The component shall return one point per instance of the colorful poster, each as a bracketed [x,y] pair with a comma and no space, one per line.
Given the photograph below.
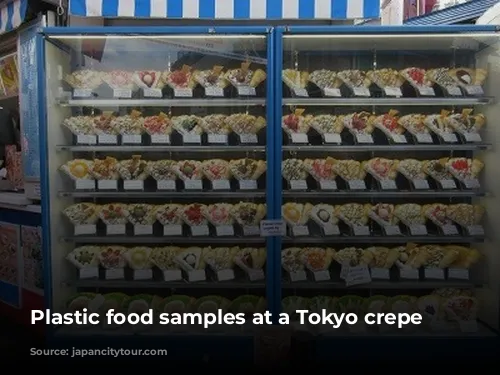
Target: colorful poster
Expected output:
[9,255]
[8,73]
[31,240]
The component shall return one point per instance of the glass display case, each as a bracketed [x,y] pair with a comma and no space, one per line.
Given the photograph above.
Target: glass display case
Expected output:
[389,175]
[155,171]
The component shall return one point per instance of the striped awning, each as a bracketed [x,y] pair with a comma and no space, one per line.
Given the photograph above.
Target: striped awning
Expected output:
[12,15]
[228,9]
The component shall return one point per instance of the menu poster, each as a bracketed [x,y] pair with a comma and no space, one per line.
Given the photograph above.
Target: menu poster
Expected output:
[8,73]
[31,242]
[9,246]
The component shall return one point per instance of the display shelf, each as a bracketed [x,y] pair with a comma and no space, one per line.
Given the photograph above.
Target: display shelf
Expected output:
[161,240]
[392,102]
[125,284]
[383,239]
[381,285]
[164,194]
[142,149]
[387,148]
[348,194]
[100,103]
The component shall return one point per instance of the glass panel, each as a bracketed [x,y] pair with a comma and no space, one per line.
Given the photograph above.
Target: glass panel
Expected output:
[387,169]
[157,163]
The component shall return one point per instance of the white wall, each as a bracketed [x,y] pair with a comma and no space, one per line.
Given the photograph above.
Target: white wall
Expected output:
[392,12]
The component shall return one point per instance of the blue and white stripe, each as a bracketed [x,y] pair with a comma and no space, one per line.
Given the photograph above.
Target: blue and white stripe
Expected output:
[227,9]
[12,15]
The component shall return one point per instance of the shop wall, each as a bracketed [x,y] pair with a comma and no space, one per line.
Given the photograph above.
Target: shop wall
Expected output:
[21,271]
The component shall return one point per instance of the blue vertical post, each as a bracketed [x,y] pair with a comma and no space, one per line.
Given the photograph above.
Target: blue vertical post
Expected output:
[270,175]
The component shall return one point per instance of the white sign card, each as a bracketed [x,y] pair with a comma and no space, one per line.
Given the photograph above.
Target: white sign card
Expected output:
[86,139]
[172,230]
[116,229]
[270,228]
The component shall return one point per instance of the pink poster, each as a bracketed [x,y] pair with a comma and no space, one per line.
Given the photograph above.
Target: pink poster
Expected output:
[9,256]
[31,240]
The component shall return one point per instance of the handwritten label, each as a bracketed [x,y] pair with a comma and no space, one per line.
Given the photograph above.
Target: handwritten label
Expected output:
[424,138]
[107,139]
[191,138]
[449,230]
[298,276]
[380,273]
[330,230]
[152,93]
[447,184]
[251,230]
[409,273]
[419,184]
[361,230]
[301,92]
[298,185]
[224,230]
[269,228]
[214,91]
[115,229]
[143,230]
[468,326]
[165,185]
[449,138]
[255,275]
[193,185]
[328,185]
[472,137]
[221,185]
[426,91]
[200,230]
[300,230]
[217,138]
[86,139]
[196,275]
[82,93]
[361,91]
[85,229]
[299,138]
[472,184]
[131,139]
[249,138]
[392,230]
[474,90]
[356,184]
[107,184]
[183,93]
[332,138]
[122,93]
[160,139]
[114,274]
[247,184]
[453,91]
[434,273]
[388,185]
[358,275]
[84,184]
[246,91]
[143,274]
[344,270]
[225,275]
[88,273]
[393,91]
[398,138]
[172,230]
[172,275]
[133,184]
[458,273]
[475,230]
[364,138]
[418,230]
[332,92]
[321,275]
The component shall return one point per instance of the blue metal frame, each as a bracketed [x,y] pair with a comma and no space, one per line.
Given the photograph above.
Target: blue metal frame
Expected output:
[344,30]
